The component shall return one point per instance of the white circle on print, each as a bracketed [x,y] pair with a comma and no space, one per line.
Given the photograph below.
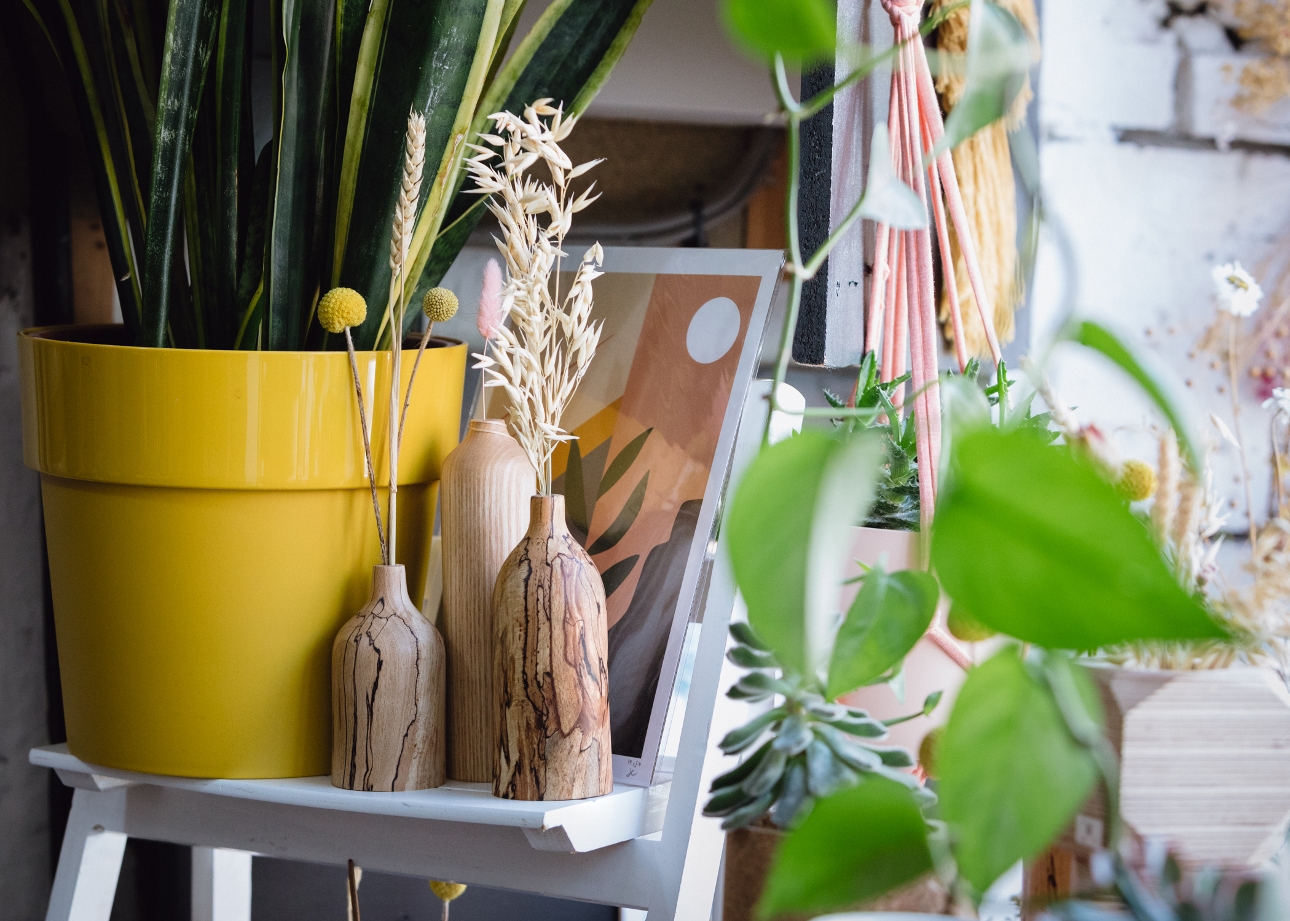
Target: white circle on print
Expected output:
[713,330]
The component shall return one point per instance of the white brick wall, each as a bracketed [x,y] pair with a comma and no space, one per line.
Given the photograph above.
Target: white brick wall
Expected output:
[1129,112]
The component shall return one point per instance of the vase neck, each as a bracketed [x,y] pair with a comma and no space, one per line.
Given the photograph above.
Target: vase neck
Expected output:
[391,583]
[546,516]
[487,427]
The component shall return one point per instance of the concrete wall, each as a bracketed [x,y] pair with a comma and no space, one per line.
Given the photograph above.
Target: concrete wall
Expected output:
[1152,178]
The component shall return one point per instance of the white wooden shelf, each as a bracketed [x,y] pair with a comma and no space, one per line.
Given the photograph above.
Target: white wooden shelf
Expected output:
[571,826]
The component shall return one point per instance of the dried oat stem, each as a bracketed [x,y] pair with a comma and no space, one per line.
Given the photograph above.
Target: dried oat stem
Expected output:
[540,359]
[367,441]
[405,218]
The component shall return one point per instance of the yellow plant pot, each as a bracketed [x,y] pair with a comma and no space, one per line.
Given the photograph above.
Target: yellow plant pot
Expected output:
[209,524]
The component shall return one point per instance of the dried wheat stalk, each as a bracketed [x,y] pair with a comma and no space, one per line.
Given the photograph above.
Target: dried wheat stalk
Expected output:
[539,359]
[405,219]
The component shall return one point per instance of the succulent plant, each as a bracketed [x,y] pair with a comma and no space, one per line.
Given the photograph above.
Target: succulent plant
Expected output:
[802,748]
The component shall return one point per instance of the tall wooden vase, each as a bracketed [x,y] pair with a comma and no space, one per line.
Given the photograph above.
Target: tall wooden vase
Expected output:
[485,489]
[551,676]
[387,692]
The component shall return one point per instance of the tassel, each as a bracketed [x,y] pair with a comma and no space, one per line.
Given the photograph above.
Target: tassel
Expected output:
[984,167]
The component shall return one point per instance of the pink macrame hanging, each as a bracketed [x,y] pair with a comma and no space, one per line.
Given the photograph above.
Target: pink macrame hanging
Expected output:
[902,319]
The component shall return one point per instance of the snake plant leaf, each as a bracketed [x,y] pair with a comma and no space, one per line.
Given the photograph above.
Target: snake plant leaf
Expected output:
[616,575]
[1011,775]
[250,277]
[787,536]
[566,56]
[292,270]
[889,615]
[423,61]
[231,170]
[827,863]
[190,33]
[108,164]
[1069,566]
[622,462]
[624,520]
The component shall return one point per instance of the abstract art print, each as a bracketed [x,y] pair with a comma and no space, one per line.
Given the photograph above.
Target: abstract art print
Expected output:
[655,419]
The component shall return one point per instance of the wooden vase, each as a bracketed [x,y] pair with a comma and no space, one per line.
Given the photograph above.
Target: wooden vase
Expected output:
[485,489]
[387,683]
[551,676]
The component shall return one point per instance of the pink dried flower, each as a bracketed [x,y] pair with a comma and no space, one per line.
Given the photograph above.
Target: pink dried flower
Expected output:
[490,301]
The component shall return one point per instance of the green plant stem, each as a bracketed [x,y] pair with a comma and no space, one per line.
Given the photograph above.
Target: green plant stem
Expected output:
[367,440]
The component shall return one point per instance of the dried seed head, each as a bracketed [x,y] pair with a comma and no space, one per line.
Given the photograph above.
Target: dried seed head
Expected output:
[341,308]
[439,305]
[1137,480]
[446,891]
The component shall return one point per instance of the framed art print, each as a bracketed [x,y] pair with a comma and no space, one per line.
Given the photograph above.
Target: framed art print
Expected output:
[655,419]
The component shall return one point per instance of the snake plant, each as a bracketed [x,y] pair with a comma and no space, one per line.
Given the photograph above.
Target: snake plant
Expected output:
[217,245]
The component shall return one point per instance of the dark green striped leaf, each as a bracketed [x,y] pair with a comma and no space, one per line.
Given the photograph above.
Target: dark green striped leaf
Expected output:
[190,32]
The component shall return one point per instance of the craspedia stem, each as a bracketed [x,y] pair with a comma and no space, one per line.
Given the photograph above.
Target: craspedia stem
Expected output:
[367,444]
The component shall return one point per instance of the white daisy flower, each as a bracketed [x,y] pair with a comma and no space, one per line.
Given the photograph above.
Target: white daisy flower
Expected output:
[1280,400]
[1237,291]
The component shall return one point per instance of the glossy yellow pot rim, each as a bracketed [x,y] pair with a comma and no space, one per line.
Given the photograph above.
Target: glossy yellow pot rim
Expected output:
[99,411]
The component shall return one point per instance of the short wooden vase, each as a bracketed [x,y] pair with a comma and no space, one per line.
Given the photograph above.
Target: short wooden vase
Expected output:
[485,489]
[387,680]
[551,672]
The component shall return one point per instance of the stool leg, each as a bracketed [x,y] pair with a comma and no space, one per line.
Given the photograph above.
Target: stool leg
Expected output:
[221,884]
[88,864]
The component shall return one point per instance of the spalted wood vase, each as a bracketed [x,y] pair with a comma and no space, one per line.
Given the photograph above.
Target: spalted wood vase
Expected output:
[551,676]
[387,692]
[485,490]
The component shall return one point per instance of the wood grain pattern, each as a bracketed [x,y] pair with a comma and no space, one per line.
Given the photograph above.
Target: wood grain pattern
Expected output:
[387,673]
[486,486]
[552,677]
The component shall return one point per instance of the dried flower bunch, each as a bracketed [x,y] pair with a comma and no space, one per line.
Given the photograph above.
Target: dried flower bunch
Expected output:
[540,359]
[1265,80]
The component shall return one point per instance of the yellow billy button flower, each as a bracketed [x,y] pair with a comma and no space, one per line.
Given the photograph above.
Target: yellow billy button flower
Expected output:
[439,305]
[1137,480]
[446,891]
[928,749]
[341,308]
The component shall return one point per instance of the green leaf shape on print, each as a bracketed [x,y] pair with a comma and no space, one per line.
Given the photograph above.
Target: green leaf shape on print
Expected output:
[999,57]
[625,519]
[617,574]
[799,30]
[622,462]
[1011,775]
[853,846]
[1035,543]
[575,490]
[1155,380]
[787,537]
[190,33]
[889,615]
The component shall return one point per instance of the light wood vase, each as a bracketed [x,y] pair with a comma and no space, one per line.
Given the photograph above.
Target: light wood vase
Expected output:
[387,679]
[485,490]
[551,676]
